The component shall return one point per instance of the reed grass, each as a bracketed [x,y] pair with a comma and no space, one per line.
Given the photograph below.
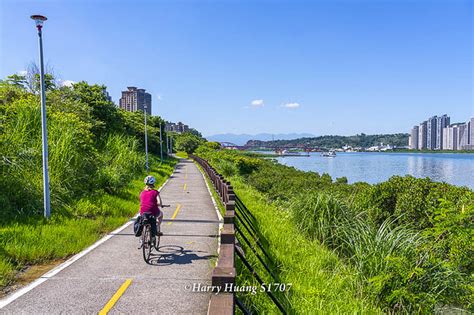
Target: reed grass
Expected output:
[322,282]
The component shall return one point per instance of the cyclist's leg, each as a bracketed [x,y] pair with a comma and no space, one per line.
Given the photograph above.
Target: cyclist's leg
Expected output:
[159,219]
[153,227]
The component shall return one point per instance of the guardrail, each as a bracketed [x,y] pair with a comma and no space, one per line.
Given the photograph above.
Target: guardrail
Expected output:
[239,232]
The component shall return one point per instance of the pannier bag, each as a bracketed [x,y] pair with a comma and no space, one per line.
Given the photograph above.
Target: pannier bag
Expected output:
[138,226]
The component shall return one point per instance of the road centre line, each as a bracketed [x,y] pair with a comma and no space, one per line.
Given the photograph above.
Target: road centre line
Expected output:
[175,213]
[115,297]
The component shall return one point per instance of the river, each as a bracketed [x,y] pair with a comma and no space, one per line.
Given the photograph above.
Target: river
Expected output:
[452,168]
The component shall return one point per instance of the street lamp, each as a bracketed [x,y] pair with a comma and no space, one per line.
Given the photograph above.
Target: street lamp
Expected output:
[39,20]
[146,141]
[161,144]
[171,144]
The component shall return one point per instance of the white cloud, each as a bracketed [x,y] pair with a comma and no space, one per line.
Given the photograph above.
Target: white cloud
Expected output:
[257,103]
[67,83]
[22,72]
[291,105]
[159,97]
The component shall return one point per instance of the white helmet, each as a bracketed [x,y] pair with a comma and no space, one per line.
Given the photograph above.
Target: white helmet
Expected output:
[150,180]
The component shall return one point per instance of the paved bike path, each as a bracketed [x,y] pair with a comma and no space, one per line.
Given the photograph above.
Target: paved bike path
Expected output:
[188,250]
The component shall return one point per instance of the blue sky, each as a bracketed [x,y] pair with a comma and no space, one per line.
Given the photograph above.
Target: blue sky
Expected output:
[323,67]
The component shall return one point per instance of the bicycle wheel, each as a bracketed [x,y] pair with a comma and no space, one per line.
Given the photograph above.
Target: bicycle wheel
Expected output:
[146,243]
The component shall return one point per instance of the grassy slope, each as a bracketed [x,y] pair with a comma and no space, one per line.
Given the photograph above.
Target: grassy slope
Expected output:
[37,241]
[321,282]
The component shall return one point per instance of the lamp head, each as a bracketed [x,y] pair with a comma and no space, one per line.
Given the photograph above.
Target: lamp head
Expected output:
[39,20]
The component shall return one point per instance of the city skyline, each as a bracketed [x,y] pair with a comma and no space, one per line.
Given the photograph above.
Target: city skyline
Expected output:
[438,133]
[322,68]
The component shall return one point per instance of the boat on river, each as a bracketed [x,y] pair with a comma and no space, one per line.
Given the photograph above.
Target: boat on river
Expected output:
[290,153]
[330,154]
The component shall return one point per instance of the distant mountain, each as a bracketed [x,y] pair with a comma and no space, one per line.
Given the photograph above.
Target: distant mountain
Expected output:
[241,139]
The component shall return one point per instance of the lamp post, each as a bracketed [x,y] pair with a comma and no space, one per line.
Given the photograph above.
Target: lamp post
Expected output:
[161,145]
[146,141]
[171,143]
[167,146]
[39,20]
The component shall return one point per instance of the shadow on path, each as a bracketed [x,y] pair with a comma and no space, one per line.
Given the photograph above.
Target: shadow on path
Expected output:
[173,254]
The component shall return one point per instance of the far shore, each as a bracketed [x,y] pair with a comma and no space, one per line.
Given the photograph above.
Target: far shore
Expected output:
[388,151]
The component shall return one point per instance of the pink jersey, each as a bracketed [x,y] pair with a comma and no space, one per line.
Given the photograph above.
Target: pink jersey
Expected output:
[148,202]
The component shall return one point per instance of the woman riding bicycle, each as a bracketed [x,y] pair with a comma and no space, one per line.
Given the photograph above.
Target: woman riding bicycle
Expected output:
[149,201]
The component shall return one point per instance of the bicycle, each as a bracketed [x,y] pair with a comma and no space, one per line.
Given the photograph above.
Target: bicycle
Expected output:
[147,244]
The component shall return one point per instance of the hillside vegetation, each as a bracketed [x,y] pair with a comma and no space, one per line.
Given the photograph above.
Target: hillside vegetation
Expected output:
[362,140]
[408,241]
[96,165]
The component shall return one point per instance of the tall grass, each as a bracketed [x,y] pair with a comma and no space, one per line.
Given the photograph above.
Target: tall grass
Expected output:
[322,283]
[71,158]
[119,161]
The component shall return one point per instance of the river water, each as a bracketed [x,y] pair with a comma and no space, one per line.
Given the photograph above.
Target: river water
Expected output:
[453,168]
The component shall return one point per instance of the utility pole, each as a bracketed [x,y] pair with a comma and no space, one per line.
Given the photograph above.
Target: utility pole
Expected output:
[39,20]
[161,145]
[171,144]
[146,141]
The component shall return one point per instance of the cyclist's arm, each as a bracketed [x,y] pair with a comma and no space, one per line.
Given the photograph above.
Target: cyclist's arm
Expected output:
[159,201]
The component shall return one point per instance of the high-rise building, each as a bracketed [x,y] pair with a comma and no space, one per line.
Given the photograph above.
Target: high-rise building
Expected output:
[470,135]
[422,135]
[414,137]
[431,133]
[441,122]
[135,99]
[463,136]
[450,137]
[176,127]
[107,95]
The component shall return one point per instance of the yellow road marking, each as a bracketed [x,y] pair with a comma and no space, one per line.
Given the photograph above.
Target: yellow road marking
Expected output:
[175,213]
[185,185]
[115,297]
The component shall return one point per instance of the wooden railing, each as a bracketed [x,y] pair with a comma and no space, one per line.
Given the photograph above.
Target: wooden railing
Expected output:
[240,231]
[224,273]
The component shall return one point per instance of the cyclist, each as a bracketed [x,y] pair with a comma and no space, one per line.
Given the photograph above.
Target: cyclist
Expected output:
[150,203]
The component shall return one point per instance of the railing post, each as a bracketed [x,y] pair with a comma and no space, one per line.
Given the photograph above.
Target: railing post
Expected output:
[229,216]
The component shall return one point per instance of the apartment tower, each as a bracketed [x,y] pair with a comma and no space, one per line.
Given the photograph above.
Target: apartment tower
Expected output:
[135,99]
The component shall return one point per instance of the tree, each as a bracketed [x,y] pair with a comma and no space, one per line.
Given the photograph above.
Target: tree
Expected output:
[17,80]
[188,142]
[33,78]
[195,132]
